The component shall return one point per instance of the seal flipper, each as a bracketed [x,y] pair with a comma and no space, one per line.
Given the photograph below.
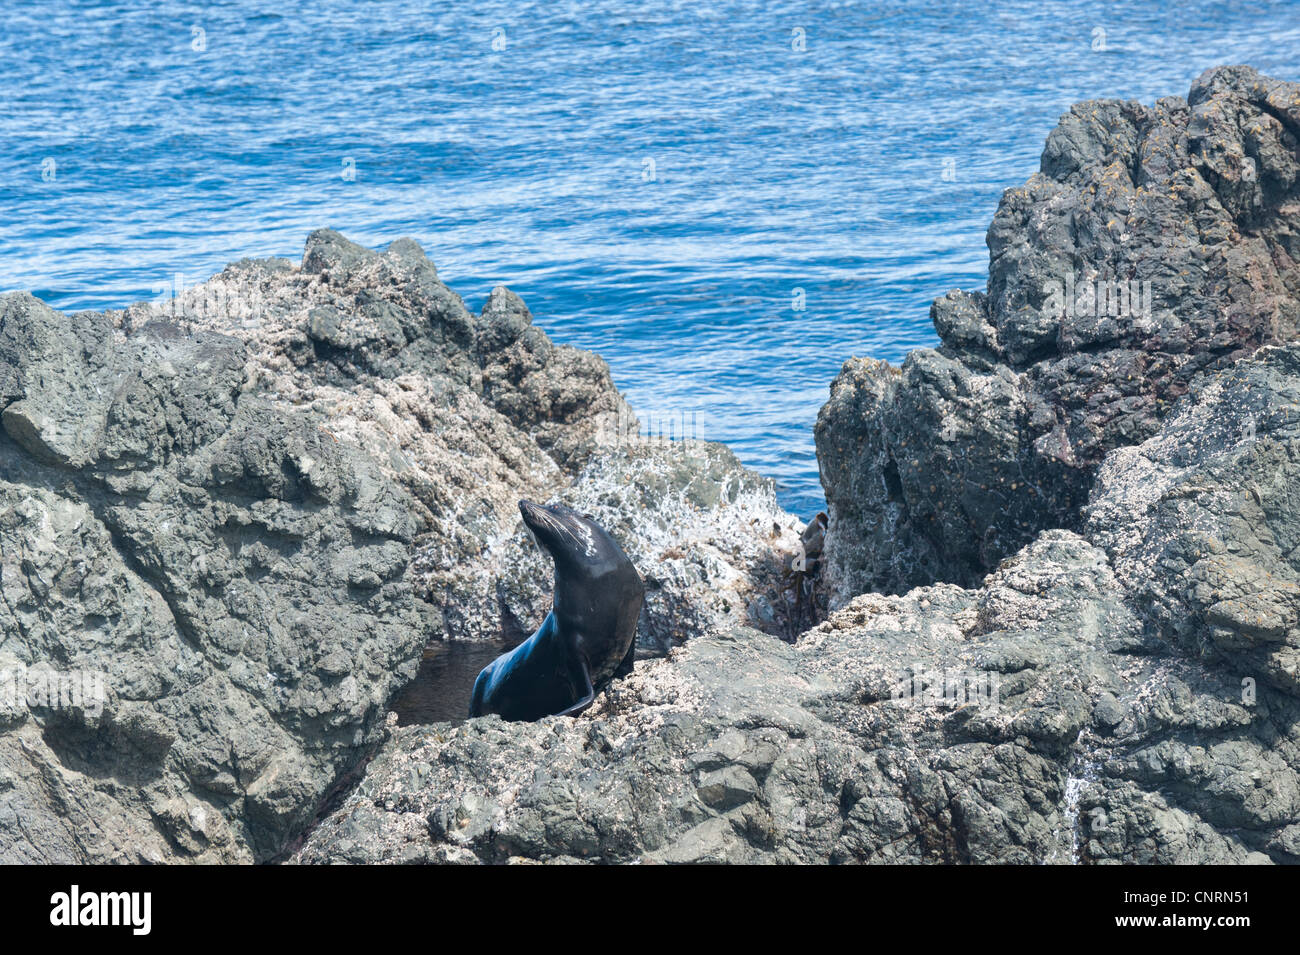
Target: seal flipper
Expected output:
[625,667]
[589,694]
[480,690]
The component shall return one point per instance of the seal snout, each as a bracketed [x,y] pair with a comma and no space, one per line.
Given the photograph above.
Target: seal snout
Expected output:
[547,529]
[535,515]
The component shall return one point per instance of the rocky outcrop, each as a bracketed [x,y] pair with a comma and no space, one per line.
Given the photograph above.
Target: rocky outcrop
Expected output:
[217,588]
[230,522]
[1213,556]
[1155,245]
[460,410]
[473,413]
[1124,696]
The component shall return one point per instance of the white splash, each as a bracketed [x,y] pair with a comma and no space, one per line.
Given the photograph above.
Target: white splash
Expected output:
[1081,774]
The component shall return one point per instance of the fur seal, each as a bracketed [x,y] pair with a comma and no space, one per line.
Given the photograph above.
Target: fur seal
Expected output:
[587,639]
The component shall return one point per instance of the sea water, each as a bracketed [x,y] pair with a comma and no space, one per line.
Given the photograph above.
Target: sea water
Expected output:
[726,200]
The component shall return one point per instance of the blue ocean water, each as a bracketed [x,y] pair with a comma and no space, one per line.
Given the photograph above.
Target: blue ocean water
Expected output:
[725,199]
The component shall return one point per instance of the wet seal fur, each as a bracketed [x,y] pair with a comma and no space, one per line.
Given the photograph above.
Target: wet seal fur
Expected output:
[587,639]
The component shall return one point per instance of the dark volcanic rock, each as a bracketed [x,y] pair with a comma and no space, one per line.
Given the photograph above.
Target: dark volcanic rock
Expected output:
[1154,245]
[472,413]
[1084,713]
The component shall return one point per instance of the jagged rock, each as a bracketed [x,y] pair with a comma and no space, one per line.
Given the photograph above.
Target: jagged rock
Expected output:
[471,414]
[1156,244]
[251,507]
[1083,713]
[198,552]
[1215,558]
[742,749]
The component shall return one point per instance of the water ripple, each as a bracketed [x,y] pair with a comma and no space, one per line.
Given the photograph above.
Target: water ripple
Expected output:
[657,180]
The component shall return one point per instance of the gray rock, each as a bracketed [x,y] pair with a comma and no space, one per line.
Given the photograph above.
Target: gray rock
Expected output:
[741,748]
[250,508]
[1155,245]
[1124,699]
[174,537]
[470,414]
[1214,558]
